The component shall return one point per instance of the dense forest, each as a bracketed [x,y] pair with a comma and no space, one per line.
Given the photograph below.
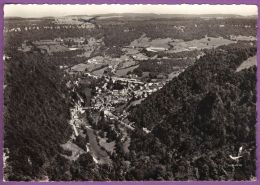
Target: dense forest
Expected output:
[36,112]
[157,66]
[197,120]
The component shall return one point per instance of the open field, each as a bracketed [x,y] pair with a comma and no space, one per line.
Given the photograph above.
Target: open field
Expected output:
[124,71]
[242,37]
[144,41]
[248,63]
[204,43]
[76,151]
[80,67]
[179,45]
[110,147]
[95,149]
[99,72]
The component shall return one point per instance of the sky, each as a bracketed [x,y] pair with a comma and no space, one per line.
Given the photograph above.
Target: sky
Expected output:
[28,11]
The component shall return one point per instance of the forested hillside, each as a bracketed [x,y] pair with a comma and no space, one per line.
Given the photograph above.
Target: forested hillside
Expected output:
[198,120]
[36,115]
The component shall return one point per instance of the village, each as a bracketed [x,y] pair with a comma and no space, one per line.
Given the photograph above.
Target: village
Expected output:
[59,45]
[111,100]
[115,95]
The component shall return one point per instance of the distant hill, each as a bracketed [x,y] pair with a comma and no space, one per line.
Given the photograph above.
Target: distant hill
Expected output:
[13,18]
[162,16]
[145,15]
[23,18]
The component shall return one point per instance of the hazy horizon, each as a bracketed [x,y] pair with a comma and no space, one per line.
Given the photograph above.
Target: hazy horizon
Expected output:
[38,11]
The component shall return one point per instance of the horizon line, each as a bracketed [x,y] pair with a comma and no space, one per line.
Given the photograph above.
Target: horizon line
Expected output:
[197,14]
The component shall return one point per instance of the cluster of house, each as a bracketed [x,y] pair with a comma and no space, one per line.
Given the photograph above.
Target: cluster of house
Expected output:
[82,22]
[47,46]
[180,28]
[7,30]
[133,88]
[38,28]
[61,44]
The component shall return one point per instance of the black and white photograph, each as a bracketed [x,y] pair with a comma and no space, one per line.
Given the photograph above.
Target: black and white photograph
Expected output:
[129,92]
